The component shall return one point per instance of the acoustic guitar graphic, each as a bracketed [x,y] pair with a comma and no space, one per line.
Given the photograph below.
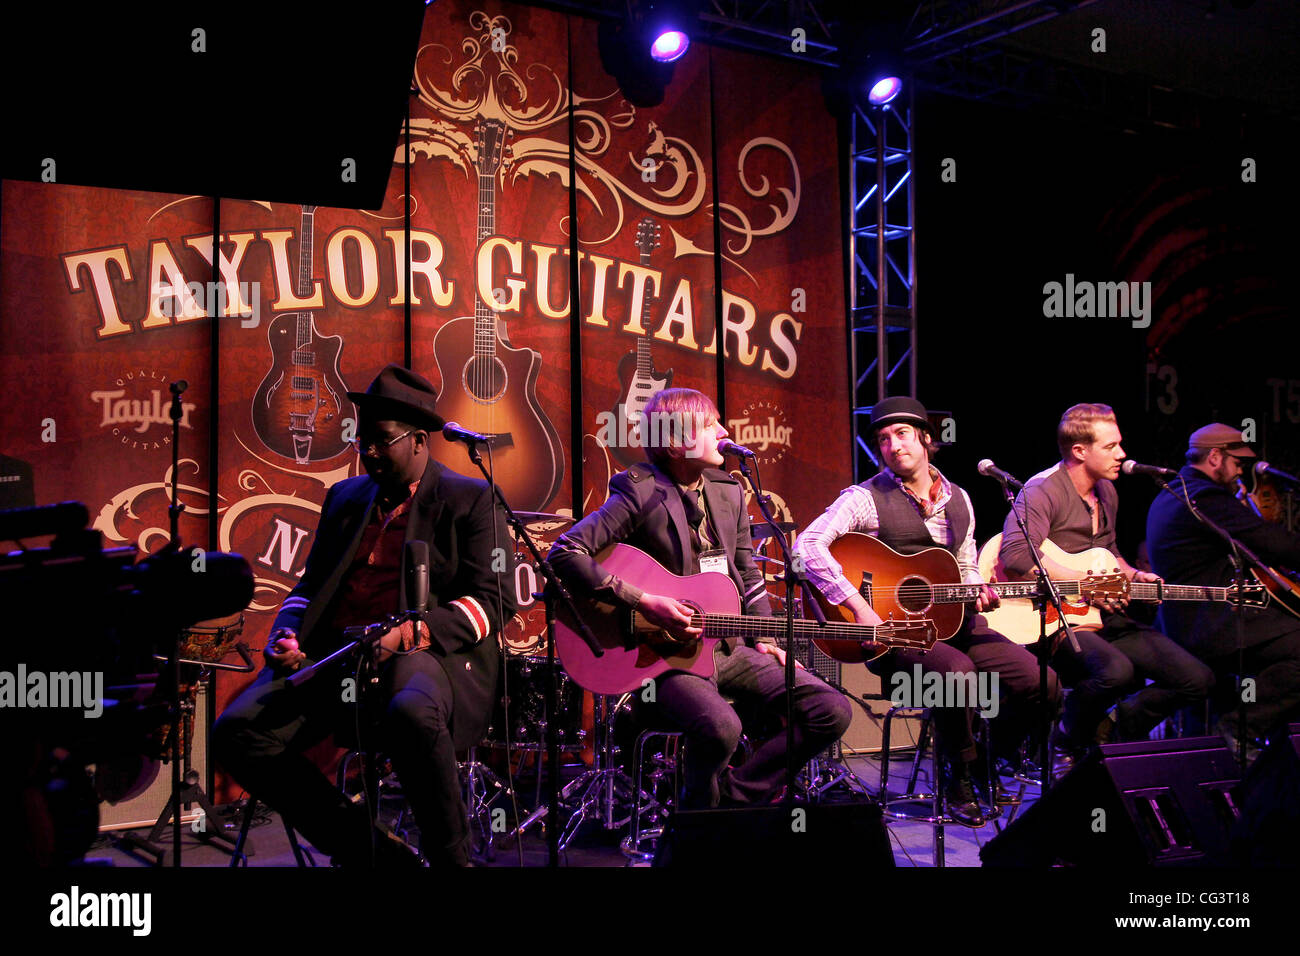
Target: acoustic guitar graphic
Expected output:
[637,376]
[300,407]
[490,387]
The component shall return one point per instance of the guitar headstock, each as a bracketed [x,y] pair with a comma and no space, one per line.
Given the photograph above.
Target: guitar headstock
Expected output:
[1108,587]
[1253,594]
[491,146]
[910,632]
[647,236]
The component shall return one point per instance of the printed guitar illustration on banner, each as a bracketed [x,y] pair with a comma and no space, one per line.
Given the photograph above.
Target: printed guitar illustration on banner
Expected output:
[490,387]
[301,405]
[637,376]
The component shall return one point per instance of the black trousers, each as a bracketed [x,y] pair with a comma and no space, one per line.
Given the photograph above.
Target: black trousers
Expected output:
[694,705]
[1275,665]
[975,650]
[1112,669]
[261,736]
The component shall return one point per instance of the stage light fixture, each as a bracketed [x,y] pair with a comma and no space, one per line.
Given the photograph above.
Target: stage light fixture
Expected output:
[669,45]
[884,90]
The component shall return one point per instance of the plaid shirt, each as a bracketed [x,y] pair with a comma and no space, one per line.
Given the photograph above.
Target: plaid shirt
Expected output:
[855,510]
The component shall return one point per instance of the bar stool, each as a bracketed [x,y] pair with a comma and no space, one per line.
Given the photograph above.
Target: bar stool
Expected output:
[648,802]
[937,817]
[239,856]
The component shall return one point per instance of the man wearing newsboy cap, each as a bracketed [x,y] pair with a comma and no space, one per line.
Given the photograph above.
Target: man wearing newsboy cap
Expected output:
[1186,551]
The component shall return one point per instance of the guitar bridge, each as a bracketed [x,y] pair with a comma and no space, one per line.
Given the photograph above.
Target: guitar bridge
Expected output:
[865,589]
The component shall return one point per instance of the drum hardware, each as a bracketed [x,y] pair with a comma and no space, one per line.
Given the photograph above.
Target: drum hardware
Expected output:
[482,789]
[174,739]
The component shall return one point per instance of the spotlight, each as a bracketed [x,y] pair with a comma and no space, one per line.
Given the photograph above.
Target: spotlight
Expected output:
[884,90]
[669,45]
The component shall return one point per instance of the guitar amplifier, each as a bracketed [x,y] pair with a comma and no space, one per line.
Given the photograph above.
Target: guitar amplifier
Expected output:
[142,809]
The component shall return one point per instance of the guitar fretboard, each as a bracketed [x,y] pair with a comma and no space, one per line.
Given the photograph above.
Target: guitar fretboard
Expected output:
[909,633]
[485,339]
[303,356]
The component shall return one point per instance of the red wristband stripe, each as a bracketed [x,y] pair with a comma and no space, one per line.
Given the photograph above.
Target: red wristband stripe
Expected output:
[478,619]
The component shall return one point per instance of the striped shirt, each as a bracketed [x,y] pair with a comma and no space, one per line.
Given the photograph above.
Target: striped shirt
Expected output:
[855,510]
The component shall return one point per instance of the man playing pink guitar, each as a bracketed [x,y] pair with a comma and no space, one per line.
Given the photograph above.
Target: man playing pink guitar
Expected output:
[690,516]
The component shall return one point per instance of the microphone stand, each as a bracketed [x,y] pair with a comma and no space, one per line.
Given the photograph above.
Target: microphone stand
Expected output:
[1236,552]
[553,593]
[175,412]
[1047,592]
[793,578]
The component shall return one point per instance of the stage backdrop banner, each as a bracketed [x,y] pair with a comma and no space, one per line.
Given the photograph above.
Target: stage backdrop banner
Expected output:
[733,177]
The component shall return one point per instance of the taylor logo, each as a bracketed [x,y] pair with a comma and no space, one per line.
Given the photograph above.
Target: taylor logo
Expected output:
[137,403]
[761,427]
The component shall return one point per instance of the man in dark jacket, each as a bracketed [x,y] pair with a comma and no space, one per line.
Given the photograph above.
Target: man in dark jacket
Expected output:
[437,676]
[1184,550]
[690,516]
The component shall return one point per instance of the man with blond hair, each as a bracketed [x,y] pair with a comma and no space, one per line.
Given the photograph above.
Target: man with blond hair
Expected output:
[690,516]
[1074,504]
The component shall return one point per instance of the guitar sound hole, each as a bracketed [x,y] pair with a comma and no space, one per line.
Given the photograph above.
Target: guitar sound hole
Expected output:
[484,378]
[913,594]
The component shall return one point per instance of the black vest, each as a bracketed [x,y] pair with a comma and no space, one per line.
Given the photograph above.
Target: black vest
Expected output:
[901,525]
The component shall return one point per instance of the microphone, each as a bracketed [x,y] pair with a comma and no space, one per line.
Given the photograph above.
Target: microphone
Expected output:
[729,447]
[1130,467]
[990,470]
[1264,468]
[178,386]
[452,431]
[417,575]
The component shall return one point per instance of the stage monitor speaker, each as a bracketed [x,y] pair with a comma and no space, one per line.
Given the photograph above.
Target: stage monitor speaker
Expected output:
[1152,803]
[1267,834]
[805,836]
[142,810]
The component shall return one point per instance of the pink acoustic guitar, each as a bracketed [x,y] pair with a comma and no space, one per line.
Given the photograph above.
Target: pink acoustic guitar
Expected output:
[637,651]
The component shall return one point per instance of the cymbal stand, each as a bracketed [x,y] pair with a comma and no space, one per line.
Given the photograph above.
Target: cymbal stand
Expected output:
[605,788]
[482,789]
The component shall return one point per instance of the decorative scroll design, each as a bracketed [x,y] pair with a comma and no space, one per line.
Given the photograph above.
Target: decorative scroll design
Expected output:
[488,82]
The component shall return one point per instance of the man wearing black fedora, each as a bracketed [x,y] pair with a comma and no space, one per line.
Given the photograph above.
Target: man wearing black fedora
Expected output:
[435,688]
[911,506]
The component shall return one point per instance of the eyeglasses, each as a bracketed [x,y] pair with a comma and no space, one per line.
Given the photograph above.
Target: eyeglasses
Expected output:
[370,447]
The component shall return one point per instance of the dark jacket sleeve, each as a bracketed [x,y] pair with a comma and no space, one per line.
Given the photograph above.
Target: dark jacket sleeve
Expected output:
[1035,505]
[314,573]
[482,573]
[1272,542]
[573,555]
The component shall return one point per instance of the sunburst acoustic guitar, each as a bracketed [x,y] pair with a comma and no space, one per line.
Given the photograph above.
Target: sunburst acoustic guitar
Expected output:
[491,388]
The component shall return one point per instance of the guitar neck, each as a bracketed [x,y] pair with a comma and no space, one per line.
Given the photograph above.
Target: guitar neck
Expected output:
[305,242]
[743,625]
[485,326]
[967,593]
[1147,591]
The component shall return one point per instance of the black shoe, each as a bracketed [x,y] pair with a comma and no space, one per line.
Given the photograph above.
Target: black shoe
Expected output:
[1227,729]
[1066,754]
[1002,797]
[963,806]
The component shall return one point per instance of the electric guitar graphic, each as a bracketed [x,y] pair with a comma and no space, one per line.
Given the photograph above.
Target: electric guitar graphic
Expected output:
[491,388]
[638,378]
[299,408]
